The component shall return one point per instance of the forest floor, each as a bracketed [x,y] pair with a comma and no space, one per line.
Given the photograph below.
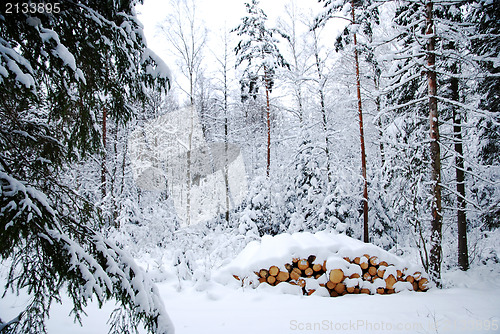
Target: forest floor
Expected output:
[471,304]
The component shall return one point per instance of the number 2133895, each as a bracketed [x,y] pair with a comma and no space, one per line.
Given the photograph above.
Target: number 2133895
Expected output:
[32,8]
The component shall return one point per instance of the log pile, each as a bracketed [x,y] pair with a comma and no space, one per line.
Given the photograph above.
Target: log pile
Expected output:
[294,273]
[366,275]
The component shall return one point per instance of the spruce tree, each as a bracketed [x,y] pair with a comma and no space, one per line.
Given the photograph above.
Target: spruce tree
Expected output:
[431,66]
[486,18]
[59,68]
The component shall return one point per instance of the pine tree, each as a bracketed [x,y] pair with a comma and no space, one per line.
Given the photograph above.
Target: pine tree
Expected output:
[53,83]
[258,50]
[360,14]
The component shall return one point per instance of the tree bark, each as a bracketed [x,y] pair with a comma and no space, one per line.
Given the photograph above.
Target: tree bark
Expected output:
[379,122]
[103,162]
[436,225]
[463,254]
[226,131]
[189,176]
[322,105]
[361,135]
[268,119]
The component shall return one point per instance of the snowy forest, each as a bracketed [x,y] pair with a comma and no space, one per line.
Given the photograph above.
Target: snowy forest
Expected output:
[135,178]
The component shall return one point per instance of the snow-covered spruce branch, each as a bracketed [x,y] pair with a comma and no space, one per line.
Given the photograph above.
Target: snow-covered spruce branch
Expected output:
[459,195]
[486,113]
[404,105]
[50,252]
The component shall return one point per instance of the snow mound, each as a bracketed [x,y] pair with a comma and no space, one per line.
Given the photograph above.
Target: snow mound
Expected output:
[331,250]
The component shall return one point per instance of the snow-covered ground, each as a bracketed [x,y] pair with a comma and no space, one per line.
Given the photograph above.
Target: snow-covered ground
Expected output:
[469,303]
[472,306]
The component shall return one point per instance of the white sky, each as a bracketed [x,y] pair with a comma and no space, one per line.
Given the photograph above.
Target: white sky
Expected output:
[216,14]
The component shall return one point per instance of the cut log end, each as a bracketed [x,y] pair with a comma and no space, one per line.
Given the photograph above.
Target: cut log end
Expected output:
[271,279]
[336,275]
[389,281]
[423,284]
[380,273]
[283,276]
[264,273]
[274,270]
[317,267]
[303,264]
[295,274]
[330,285]
[339,288]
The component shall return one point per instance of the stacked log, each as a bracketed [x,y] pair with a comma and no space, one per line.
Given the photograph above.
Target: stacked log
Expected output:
[373,271]
[371,276]
[293,273]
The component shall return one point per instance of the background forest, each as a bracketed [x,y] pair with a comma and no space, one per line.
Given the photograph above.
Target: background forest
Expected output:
[388,132]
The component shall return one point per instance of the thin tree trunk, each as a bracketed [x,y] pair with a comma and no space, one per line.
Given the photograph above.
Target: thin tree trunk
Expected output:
[114,176]
[361,135]
[379,122]
[103,162]
[297,83]
[436,226]
[226,136]
[463,254]
[268,118]
[323,108]
[190,144]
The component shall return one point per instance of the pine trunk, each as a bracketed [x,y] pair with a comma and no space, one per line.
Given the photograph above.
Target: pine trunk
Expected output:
[436,225]
[361,135]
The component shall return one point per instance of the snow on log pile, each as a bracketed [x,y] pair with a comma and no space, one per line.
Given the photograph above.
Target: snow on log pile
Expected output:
[324,263]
